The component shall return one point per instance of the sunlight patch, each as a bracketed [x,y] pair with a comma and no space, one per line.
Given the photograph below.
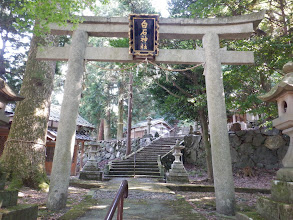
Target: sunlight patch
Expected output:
[99,207]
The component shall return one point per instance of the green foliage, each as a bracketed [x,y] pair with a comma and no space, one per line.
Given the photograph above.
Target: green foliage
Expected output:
[138,6]
[122,42]
[40,13]
[15,184]
[180,95]
[272,47]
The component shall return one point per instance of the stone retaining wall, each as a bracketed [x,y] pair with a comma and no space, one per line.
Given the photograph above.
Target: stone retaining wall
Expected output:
[255,148]
[115,149]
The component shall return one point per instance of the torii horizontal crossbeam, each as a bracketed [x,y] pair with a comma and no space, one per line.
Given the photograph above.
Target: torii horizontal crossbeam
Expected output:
[174,56]
[237,27]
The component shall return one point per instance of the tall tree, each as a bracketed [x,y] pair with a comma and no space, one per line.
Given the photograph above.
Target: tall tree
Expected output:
[121,88]
[12,63]
[24,153]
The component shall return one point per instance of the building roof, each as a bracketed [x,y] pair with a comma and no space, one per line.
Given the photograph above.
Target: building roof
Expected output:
[7,93]
[52,134]
[55,116]
[153,122]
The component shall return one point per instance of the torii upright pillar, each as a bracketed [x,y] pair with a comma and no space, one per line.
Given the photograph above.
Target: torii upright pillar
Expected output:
[221,157]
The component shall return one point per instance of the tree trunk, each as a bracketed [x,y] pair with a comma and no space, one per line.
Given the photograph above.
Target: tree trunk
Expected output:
[207,145]
[107,121]
[24,153]
[128,143]
[120,111]
[101,130]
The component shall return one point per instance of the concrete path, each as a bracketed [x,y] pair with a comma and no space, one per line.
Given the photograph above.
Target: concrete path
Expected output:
[147,199]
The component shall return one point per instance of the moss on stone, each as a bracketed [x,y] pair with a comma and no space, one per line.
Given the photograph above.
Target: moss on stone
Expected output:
[15,184]
[253,215]
[79,209]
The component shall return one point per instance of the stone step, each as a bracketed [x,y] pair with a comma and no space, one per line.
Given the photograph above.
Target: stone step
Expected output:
[159,146]
[153,151]
[154,169]
[136,173]
[137,162]
[136,167]
[144,157]
[107,177]
[142,161]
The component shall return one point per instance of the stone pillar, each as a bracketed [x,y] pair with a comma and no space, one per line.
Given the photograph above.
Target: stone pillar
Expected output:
[221,157]
[59,180]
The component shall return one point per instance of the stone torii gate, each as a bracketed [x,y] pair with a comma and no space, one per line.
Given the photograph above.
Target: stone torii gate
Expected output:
[209,30]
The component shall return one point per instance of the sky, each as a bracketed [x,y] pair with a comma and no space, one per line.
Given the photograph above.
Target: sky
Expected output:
[162,7]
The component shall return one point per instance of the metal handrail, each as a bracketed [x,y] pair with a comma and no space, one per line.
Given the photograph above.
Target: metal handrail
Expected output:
[118,201]
[134,164]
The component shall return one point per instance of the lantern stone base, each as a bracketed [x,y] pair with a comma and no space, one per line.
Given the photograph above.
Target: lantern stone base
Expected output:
[280,205]
[91,175]
[270,209]
[91,172]
[8,198]
[285,174]
[177,173]
[282,191]
[22,211]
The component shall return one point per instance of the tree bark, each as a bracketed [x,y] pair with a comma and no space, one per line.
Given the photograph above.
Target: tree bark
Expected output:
[101,130]
[107,121]
[207,145]
[120,111]
[128,143]
[24,153]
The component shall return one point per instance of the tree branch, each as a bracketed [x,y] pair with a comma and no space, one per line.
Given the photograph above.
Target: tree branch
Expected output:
[182,90]
[189,76]
[171,93]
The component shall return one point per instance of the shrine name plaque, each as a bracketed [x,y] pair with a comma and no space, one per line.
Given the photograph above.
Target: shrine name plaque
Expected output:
[143,35]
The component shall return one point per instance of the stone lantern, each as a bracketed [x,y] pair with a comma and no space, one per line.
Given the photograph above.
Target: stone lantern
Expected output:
[6,95]
[177,173]
[149,124]
[91,171]
[280,205]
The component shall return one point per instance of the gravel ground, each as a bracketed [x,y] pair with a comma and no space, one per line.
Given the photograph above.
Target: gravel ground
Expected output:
[30,196]
[261,178]
[135,195]
[202,202]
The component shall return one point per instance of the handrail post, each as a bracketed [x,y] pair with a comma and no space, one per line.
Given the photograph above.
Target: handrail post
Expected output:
[120,209]
[134,163]
[118,201]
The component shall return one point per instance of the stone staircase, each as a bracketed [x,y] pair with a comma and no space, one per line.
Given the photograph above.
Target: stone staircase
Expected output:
[144,162]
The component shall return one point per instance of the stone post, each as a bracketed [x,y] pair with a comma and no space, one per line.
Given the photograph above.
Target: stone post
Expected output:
[59,180]
[221,157]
